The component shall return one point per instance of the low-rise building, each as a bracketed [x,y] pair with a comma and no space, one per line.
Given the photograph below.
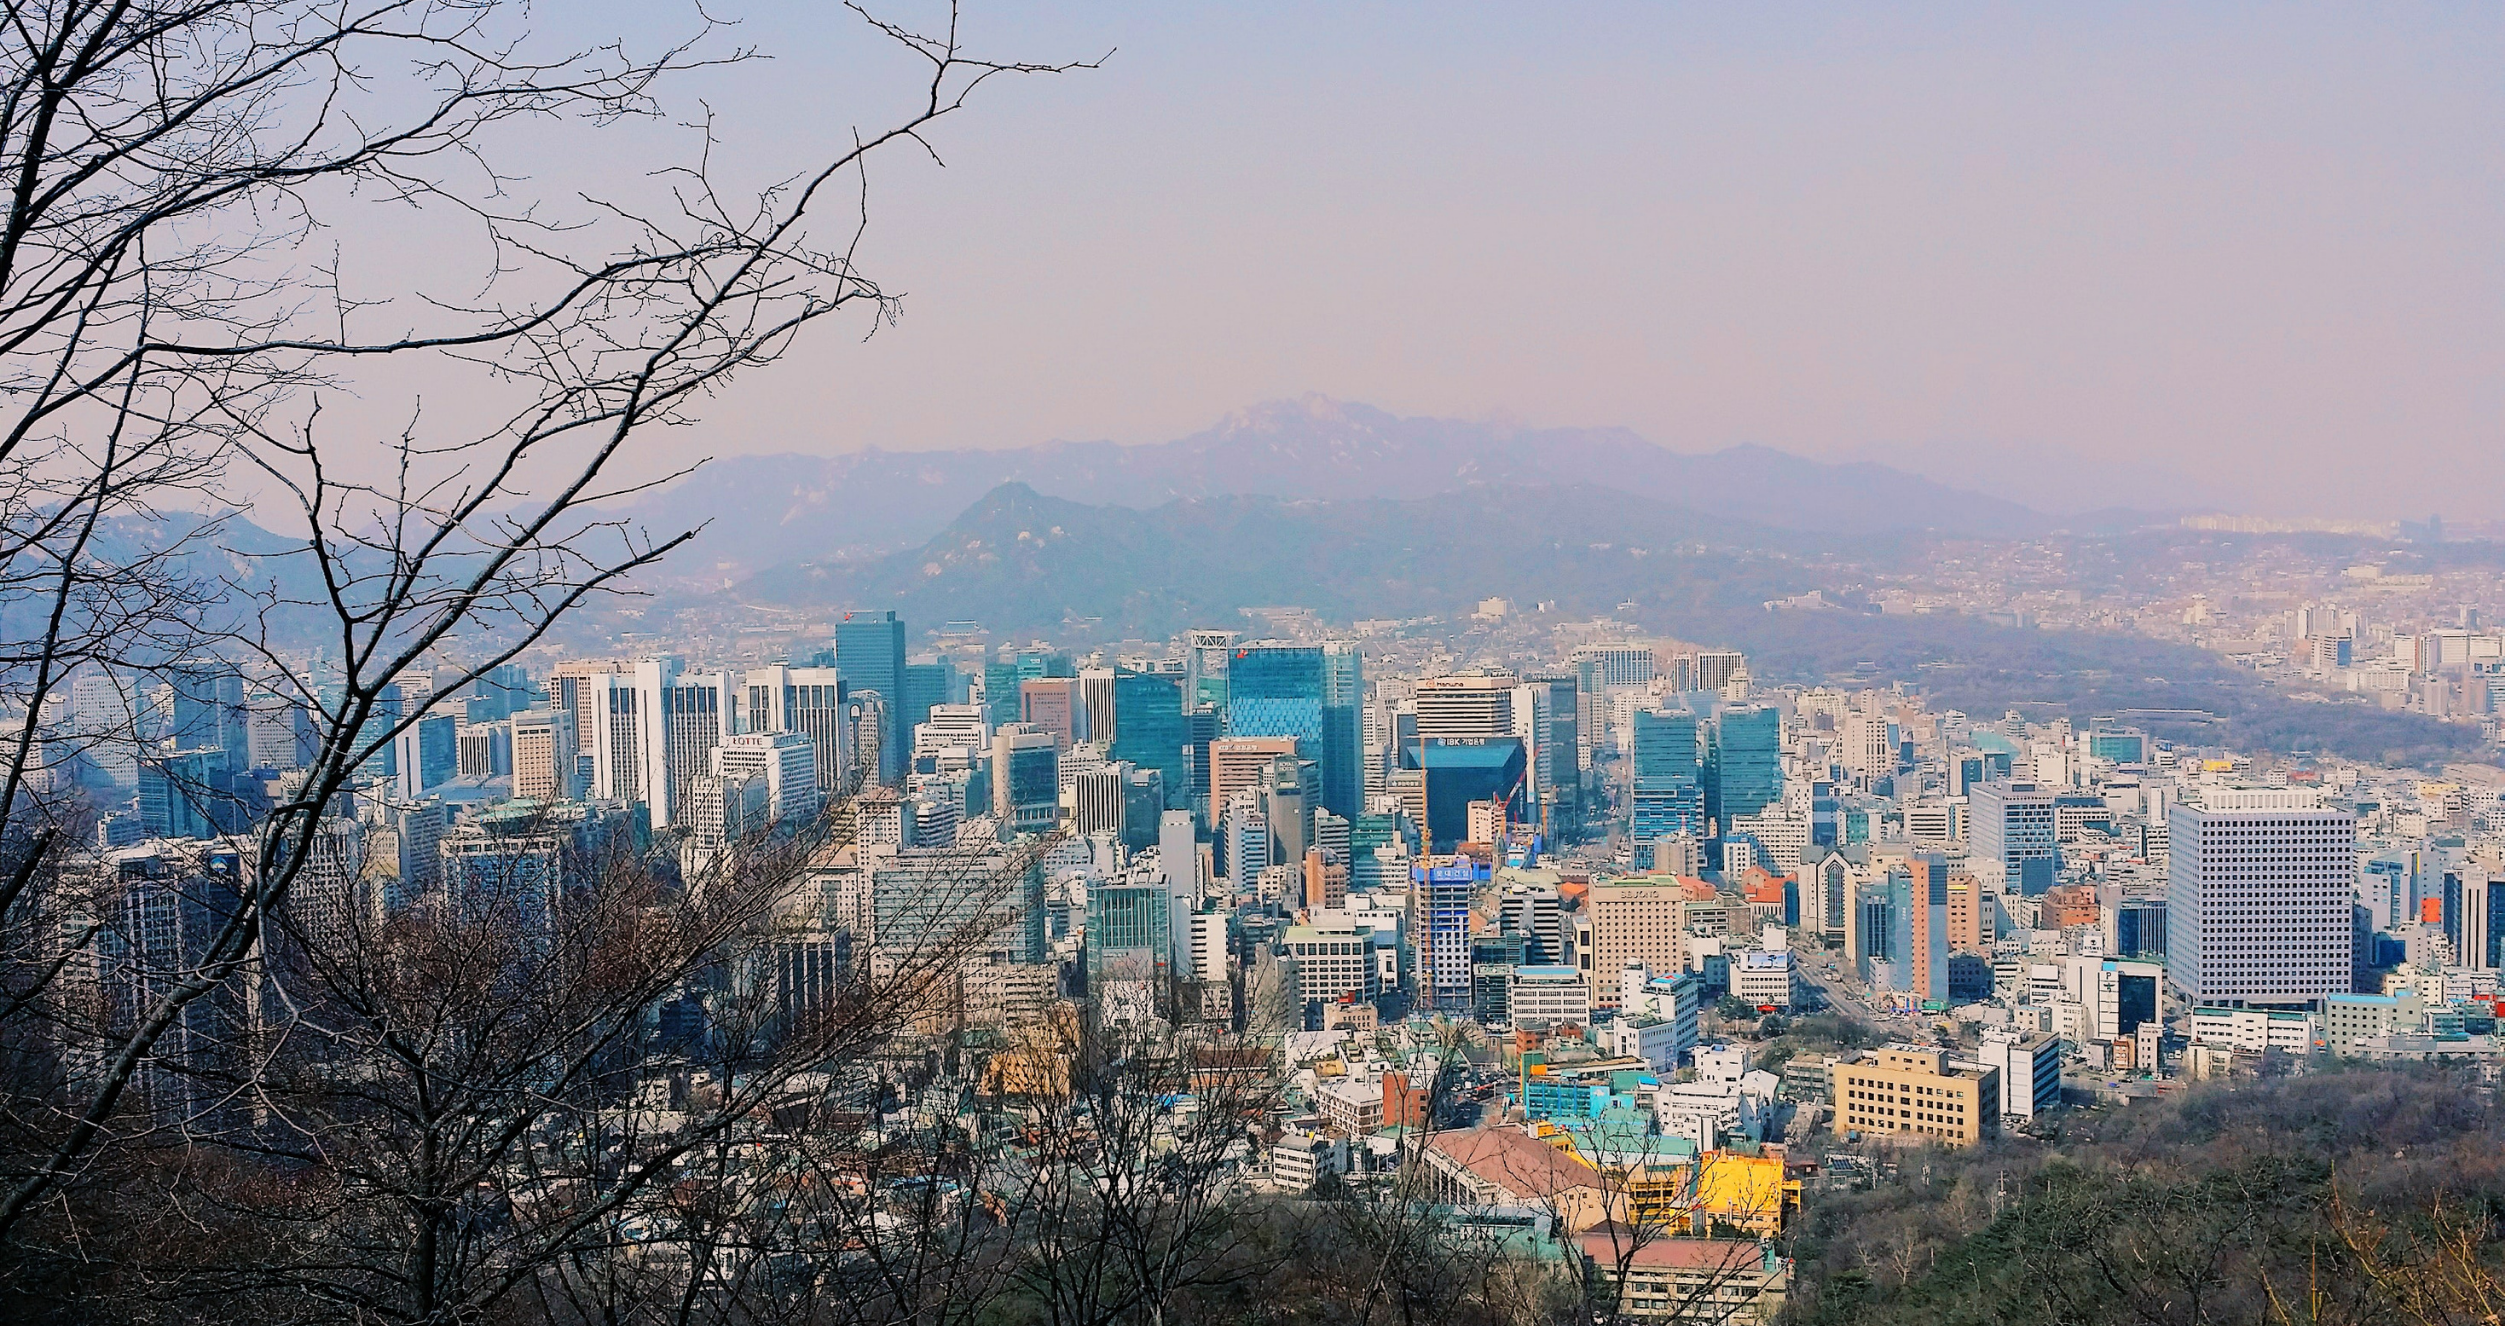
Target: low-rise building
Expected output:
[2348,1019]
[2253,1030]
[1909,1093]
[1488,1167]
[1547,996]
[1719,1280]
[2030,1072]
[1763,979]
[1300,1160]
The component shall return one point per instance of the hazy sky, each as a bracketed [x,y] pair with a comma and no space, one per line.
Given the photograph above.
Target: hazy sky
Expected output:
[2213,252]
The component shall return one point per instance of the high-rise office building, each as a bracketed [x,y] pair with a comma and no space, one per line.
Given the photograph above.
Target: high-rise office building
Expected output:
[1744,772]
[278,727]
[1054,705]
[1927,928]
[1666,791]
[2260,886]
[812,702]
[1096,706]
[1439,929]
[1000,693]
[1342,755]
[1568,757]
[1618,665]
[1236,763]
[2479,941]
[1459,771]
[543,755]
[1313,695]
[1457,708]
[964,727]
[1876,926]
[786,762]
[1149,728]
[1245,832]
[208,710]
[427,757]
[927,684]
[2014,824]
[569,689]
[1206,656]
[110,717]
[1716,667]
[1026,778]
[870,653]
[1201,728]
[686,715]
[616,743]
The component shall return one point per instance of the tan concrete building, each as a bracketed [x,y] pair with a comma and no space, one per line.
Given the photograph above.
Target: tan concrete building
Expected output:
[1647,920]
[1241,762]
[543,755]
[1905,1092]
[1966,908]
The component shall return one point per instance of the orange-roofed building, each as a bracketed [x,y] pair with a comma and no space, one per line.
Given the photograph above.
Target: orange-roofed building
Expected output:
[1763,886]
[2066,905]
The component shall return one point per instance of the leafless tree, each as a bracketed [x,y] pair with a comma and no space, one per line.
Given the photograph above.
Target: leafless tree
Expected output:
[1137,1193]
[207,309]
[1682,1239]
[1409,1258]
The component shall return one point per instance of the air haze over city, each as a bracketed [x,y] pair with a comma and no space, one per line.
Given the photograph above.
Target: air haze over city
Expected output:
[1658,664]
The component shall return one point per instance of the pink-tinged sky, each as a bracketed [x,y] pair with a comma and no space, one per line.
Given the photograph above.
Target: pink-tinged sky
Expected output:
[2220,253]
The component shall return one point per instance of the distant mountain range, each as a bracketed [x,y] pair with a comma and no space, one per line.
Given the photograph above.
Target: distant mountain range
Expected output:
[1023,563]
[766,510]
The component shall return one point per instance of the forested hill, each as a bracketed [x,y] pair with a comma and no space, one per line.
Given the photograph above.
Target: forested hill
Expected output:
[2339,1199]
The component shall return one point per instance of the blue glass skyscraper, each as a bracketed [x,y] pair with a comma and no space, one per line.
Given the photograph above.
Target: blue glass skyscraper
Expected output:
[1745,774]
[1150,728]
[870,653]
[1343,730]
[1314,694]
[1668,795]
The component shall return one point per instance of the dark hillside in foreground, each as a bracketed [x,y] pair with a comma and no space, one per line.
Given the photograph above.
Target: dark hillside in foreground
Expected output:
[2217,1205]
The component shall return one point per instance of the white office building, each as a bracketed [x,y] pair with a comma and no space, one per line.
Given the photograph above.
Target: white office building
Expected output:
[2259,890]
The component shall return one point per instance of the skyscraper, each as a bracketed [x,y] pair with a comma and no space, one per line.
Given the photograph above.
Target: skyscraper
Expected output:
[1926,928]
[2013,824]
[1206,655]
[926,684]
[1342,755]
[1096,705]
[1280,691]
[567,689]
[1026,778]
[543,755]
[685,715]
[1053,704]
[1149,727]
[1000,693]
[809,702]
[1745,771]
[2259,896]
[614,708]
[870,653]
[427,757]
[1664,745]
[2480,944]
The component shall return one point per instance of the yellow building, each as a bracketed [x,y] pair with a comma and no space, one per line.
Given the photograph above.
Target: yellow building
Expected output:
[1742,1192]
[1908,1093]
